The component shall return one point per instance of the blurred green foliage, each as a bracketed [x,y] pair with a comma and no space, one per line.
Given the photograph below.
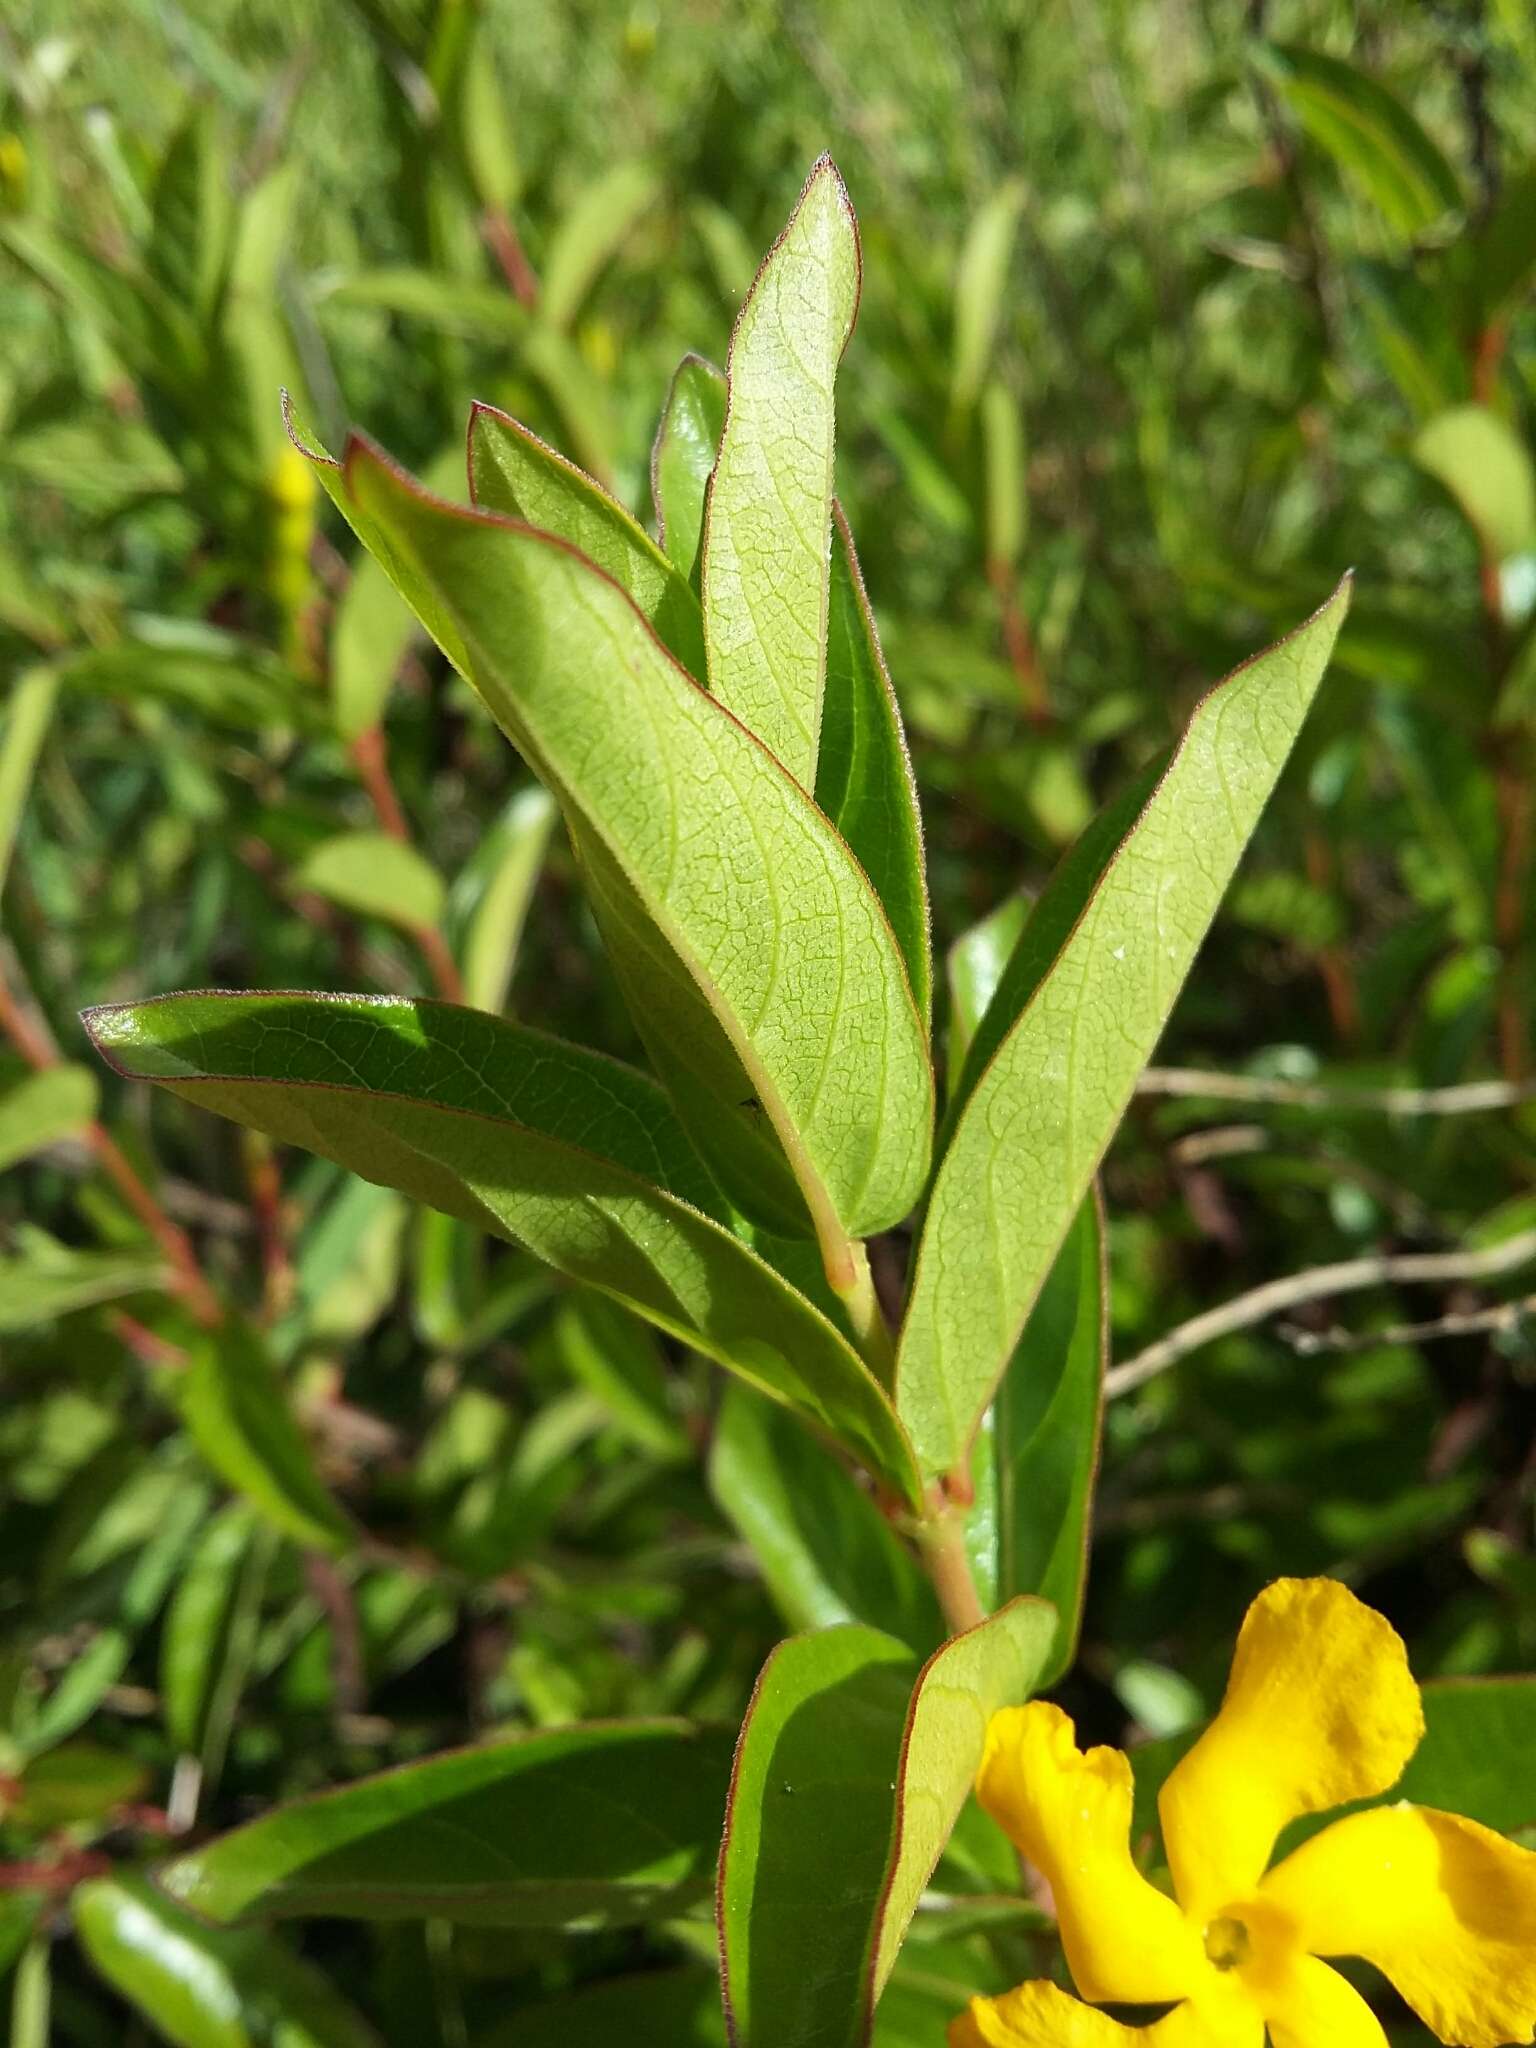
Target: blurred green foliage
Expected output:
[1170,312]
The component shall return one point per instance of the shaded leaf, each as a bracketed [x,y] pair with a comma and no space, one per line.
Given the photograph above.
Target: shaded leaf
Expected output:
[826,1552]
[1372,136]
[45,1279]
[612,1823]
[562,1150]
[1075,1017]
[207,1987]
[851,1769]
[770,500]
[864,779]
[662,2009]
[683,460]
[591,234]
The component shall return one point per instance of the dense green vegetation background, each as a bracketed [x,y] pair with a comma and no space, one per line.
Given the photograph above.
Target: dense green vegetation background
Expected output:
[1164,324]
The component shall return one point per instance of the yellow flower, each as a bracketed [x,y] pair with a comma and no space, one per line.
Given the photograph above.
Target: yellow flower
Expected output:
[1320,1709]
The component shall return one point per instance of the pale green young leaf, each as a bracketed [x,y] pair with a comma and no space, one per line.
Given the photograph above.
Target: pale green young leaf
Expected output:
[864,780]
[759,963]
[512,472]
[374,875]
[981,281]
[29,713]
[42,1108]
[852,1766]
[973,970]
[683,460]
[615,1823]
[770,500]
[564,1151]
[1487,469]
[591,234]
[500,886]
[1075,1018]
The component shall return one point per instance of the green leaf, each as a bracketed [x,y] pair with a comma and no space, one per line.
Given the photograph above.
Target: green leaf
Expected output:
[683,460]
[1045,1428]
[79,1781]
[661,2009]
[452,305]
[617,1360]
[981,283]
[32,1995]
[501,884]
[864,780]
[207,1637]
[770,503]
[974,968]
[1487,469]
[375,875]
[45,1280]
[1074,1020]
[615,1823]
[42,1108]
[513,473]
[1504,249]
[556,1148]
[207,1987]
[29,713]
[755,956]
[826,1552]
[239,1416]
[1007,478]
[849,1776]
[214,675]
[591,234]
[374,627]
[1370,134]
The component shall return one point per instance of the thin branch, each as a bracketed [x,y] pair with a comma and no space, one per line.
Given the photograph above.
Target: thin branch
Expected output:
[1466,1098]
[1503,1315]
[1350,1276]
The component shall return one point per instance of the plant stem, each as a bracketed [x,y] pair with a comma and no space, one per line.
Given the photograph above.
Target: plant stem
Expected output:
[871,1331]
[370,757]
[941,1545]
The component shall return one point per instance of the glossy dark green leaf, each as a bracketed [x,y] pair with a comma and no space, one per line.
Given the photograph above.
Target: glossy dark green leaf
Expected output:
[1075,1017]
[240,1418]
[208,1987]
[1376,141]
[513,473]
[770,500]
[1044,1436]
[562,1150]
[612,1823]
[826,1552]
[683,460]
[799,1056]
[864,778]
[851,1769]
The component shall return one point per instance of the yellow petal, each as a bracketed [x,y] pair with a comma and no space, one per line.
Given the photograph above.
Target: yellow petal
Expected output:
[1042,2016]
[1445,1908]
[1070,1814]
[1320,1709]
[1315,2008]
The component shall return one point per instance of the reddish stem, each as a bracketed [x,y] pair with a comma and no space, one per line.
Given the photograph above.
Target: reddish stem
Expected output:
[1019,642]
[505,244]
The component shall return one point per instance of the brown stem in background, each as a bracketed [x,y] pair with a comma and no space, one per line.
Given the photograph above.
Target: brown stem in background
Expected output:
[266,1188]
[23,1026]
[1338,976]
[348,1668]
[370,756]
[505,244]
[1020,643]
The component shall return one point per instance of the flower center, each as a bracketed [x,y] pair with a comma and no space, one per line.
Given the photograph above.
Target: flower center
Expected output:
[1227,1943]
